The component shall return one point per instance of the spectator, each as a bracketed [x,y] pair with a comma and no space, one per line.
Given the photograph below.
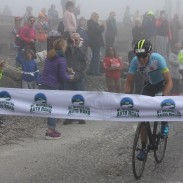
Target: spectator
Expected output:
[76,61]
[28,35]
[53,77]
[162,34]
[27,14]
[41,32]
[137,32]
[82,31]
[69,20]
[111,30]
[30,76]
[95,41]
[174,67]
[7,11]
[127,17]
[175,28]
[27,40]
[53,17]
[2,64]
[149,27]
[76,10]
[112,68]
[16,31]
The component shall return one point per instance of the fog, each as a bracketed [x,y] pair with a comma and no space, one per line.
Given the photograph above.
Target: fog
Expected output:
[87,6]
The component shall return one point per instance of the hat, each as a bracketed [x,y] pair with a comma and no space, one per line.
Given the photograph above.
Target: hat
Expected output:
[150,12]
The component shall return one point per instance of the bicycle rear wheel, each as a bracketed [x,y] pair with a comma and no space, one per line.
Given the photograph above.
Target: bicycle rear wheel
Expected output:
[138,166]
[160,143]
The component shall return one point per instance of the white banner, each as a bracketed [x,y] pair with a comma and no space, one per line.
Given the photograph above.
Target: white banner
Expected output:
[90,105]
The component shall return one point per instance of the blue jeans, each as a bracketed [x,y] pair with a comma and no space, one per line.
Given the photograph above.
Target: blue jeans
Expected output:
[51,122]
[95,61]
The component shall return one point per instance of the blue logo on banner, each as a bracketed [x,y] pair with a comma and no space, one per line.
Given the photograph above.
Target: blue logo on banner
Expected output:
[5,101]
[40,104]
[168,109]
[127,108]
[78,106]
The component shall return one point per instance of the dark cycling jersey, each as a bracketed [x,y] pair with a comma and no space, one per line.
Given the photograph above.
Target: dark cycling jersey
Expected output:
[154,69]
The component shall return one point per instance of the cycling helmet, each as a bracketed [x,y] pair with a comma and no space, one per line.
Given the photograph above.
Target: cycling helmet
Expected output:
[143,46]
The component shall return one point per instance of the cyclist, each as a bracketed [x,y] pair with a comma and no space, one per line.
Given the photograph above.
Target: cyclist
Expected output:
[157,79]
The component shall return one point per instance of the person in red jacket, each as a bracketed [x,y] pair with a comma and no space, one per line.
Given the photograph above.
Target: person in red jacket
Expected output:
[112,67]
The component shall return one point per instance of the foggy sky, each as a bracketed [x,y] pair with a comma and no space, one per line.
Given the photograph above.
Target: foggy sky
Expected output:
[87,6]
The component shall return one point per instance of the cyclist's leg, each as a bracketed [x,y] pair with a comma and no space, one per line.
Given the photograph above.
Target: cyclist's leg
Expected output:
[147,90]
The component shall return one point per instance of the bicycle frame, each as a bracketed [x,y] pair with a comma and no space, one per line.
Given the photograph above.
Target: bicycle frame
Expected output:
[151,135]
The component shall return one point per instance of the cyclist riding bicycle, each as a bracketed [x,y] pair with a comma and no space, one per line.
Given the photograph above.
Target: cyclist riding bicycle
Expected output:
[157,79]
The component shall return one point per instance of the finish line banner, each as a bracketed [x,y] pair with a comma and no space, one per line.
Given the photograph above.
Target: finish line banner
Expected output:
[90,105]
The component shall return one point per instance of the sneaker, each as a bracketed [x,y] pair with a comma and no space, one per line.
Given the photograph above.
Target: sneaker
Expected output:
[141,155]
[82,121]
[2,124]
[164,130]
[52,135]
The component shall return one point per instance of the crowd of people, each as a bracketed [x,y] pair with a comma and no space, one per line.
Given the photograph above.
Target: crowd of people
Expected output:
[75,40]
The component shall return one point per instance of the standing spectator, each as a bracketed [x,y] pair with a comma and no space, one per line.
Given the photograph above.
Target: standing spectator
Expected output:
[162,34]
[82,31]
[137,32]
[76,10]
[112,68]
[53,77]
[69,20]
[27,14]
[95,41]
[111,30]
[174,67]
[127,17]
[30,76]
[28,35]
[41,32]
[175,28]
[149,27]
[7,11]
[76,61]
[43,11]
[2,64]
[16,31]
[180,59]
[53,17]
[168,8]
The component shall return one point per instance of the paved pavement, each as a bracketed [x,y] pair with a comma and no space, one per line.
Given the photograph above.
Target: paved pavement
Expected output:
[98,152]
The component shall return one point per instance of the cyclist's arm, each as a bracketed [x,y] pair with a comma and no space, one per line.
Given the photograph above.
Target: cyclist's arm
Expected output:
[168,83]
[129,83]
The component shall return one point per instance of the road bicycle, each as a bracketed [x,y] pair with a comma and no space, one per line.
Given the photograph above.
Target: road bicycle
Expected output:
[154,142]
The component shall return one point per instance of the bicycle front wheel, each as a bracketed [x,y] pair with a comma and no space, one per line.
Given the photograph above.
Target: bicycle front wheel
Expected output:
[137,165]
[160,143]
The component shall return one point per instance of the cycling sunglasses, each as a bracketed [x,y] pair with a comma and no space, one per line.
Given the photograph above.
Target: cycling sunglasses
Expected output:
[142,55]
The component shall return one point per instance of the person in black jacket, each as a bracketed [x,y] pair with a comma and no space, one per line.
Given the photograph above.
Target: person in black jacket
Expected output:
[76,63]
[111,30]
[95,41]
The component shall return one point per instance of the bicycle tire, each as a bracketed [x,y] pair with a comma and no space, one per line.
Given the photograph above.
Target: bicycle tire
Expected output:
[138,166]
[160,143]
